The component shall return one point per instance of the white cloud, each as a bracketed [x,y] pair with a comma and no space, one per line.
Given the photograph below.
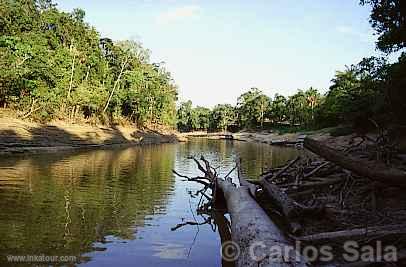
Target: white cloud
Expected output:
[179,13]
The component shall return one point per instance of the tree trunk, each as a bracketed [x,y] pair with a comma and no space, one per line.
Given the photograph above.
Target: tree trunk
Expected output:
[255,233]
[373,170]
[87,73]
[32,109]
[225,234]
[71,76]
[115,84]
[260,242]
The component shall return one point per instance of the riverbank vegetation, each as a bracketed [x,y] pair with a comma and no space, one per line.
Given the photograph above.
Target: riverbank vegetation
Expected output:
[364,95]
[54,65]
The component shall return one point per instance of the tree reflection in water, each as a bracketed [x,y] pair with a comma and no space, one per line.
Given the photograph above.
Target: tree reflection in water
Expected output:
[76,203]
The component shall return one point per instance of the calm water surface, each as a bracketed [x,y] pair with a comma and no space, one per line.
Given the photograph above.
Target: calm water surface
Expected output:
[116,207]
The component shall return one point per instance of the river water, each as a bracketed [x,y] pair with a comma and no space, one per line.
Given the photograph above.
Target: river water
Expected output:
[116,207]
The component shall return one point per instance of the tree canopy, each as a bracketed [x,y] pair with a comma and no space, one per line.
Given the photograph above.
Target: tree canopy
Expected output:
[55,65]
[388,18]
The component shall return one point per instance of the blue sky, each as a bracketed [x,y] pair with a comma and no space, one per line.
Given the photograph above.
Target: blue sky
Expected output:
[216,50]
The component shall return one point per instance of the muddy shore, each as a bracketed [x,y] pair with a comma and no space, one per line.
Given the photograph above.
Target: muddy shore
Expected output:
[21,137]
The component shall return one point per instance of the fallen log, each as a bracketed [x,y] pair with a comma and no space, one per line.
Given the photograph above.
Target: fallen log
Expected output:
[289,208]
[225,235]
[373,170]
[252,230]
[306,175]
[358,232]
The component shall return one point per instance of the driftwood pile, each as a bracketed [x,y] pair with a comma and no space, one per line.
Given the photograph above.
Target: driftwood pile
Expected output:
[251,228]
[327,198]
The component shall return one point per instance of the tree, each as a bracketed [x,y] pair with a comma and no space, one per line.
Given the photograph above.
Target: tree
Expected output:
[54,65]
[202,115]
[252,108]
[295,108]
[184,116]
[356,94]
[313,99]
[395,85]
[301,107]
[278,108]
[388,18]
[223,116]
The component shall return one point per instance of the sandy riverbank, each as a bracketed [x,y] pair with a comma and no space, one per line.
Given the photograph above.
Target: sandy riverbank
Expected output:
[18,136]
[265,136]
[259,136]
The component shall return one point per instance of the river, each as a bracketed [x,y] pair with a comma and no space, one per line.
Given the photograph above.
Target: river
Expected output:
[116,207]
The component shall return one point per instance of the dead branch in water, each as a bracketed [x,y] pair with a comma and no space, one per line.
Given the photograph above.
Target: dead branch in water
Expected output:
[249,223]
[313,196]
[179,225]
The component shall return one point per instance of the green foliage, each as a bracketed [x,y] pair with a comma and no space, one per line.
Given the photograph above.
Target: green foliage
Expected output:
[193,119]
[301,107]
[53,64]
[395,85]
[184,117]
[223,116]
[252,108]
[388,18]
[278,110]
[356,94]
[202,115]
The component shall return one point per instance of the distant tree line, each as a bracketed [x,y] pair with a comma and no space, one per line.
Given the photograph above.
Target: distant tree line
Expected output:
[254,109]
[368,94]
[53,65]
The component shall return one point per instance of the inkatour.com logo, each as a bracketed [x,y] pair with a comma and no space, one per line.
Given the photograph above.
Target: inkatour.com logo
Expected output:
[40,258]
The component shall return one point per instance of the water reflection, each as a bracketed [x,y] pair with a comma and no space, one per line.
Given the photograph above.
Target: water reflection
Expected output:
[116,206]
[255,157]
[60,205]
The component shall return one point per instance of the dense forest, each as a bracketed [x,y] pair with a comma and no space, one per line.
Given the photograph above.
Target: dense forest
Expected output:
[365,95]
[56,66]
